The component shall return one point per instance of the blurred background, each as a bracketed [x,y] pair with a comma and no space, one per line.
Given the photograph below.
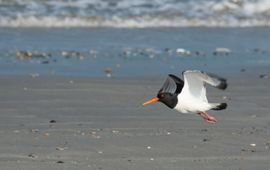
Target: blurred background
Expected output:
[118,38]
[135,13]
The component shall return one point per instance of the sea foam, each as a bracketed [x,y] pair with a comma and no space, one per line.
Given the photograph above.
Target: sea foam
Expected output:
[135,13]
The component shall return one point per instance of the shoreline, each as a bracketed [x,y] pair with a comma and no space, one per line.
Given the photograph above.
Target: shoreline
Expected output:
[127,52]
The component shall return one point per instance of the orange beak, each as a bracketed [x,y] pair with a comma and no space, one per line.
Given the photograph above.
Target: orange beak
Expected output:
[155,99]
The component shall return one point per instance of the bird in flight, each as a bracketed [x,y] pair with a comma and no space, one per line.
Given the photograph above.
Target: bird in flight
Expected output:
[189,96]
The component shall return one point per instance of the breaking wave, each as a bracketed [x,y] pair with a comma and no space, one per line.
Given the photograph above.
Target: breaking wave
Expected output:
[135,13]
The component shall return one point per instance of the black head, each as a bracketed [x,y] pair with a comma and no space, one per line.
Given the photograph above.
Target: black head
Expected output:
[168,99]
[168,92]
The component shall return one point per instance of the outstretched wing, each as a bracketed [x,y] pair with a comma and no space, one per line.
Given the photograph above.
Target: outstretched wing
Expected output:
[172,85]
[195,83]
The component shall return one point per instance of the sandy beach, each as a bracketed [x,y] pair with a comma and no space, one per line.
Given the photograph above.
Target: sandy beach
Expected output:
[74,75]
[54,122]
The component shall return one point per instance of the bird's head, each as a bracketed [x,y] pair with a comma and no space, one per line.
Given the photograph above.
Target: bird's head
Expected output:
[168,92]
[168,99]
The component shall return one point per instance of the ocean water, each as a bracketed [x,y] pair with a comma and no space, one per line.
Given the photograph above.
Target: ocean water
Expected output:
[134,13]
[124,52]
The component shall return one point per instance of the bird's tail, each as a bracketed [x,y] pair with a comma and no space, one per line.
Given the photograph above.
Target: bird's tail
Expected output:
[219,106]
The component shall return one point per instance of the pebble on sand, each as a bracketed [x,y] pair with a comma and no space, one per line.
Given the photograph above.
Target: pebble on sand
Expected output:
[115,131]
[267,145]
[34,130]
[45,62]
[264,76]
[32,155]
[258,50]
[253,144]
[28,55]
[226,98]
[47,134]
[248,150]
[206,140]
[93,53]
[222,51]
[182,51]
[23,55]
[108,72]
[242,70]
[72,54]
[168,50]
[34,75]
[61,148]
[52,121]
[94,135]
[127,52]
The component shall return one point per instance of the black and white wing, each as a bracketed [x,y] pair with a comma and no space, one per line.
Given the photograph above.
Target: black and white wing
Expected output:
[172,85]
[195,83]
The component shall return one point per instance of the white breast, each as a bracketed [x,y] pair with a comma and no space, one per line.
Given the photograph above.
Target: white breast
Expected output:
[190,104]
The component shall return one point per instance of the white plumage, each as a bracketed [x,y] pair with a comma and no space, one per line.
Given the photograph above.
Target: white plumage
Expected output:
[193,95]
[189,96]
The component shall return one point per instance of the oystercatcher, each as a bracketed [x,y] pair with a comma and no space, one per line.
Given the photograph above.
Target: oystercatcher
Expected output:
[189,96]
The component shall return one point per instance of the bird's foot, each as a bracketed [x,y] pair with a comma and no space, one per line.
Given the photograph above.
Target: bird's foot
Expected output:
[207,117]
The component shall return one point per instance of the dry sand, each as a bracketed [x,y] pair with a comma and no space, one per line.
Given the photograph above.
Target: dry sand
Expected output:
[85,123]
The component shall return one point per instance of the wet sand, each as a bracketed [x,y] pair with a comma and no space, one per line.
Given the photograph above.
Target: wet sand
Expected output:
[86,123]
[90,52]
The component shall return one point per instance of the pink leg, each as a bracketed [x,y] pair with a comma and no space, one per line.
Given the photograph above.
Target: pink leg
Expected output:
[207,117]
